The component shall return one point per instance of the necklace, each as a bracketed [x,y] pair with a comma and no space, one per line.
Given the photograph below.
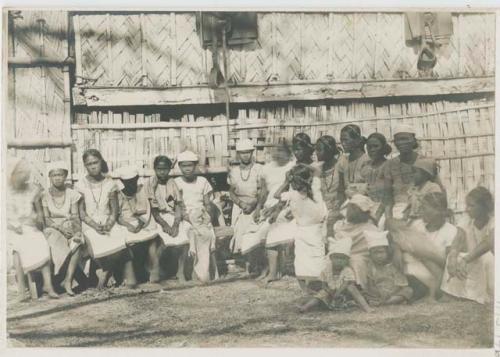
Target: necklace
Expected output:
[351,171]
[97,202]
[249,173]
[325,175]
[55,202]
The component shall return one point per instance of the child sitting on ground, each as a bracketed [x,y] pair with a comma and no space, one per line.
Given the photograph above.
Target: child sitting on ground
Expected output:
[386,285]
[424,174]
[202,246]
[338,280]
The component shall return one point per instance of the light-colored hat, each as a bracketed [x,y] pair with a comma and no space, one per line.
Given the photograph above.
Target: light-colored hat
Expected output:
[363,202]
[187,156]
[128,172]
[376,238]
[340,246]
[245,145]
[403,128]
[57,165]
[428,165]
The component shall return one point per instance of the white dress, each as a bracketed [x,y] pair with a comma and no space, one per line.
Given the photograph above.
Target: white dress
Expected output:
[31,244]
[97,206]
[163,198]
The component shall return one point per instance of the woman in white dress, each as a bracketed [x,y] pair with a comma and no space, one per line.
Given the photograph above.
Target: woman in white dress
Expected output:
[62,221]
[24,236]
[106,240]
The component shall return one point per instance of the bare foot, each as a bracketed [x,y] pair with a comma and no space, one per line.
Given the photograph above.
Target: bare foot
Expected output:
[68,289]
[103,278]
[181,280]
[262,275]
[23,297]
[51,293]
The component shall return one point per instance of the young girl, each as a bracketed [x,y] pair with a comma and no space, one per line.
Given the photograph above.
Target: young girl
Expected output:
[358,220]
[327,154]
[134,213]
[62,221]
[424,172]
[166,208]
[303,148]
[386,285]
[350,165]
[25,239]
[309,212]
[195,193]
[202,245]
[245,185]
[426,242]
[470,266]
[339,281]
[99,212]
[373,171]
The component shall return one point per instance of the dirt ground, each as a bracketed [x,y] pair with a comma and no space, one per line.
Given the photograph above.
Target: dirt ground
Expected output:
[236,313]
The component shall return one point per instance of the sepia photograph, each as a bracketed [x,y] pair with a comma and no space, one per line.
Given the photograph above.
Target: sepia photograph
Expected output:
[264,178]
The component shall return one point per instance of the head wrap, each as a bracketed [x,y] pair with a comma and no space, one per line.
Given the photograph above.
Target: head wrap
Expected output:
[187,156]
[403,128]
[376,238]
[363,202]
[128,172]
[340,246]
[245,145]
[57,165]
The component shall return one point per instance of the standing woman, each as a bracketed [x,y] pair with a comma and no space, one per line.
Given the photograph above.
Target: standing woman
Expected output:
[99,212]
[373,171]
[24,236]
[327,154]
[62,221]
[350,165]
[470,266]
[166,208]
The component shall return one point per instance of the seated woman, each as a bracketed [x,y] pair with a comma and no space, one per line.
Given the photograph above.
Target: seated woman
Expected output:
[195,193]
[470,266]
[309,213]
[62,221]
[358,220]
[134,213]
[166,208]
[24,236]
[244,190]
[99,211]
[425,242]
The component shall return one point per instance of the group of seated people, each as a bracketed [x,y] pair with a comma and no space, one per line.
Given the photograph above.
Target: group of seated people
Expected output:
[362,229]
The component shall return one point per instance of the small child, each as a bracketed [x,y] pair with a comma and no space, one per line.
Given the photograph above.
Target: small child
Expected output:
[202,245]
[424,174]
[338,279]
[386,285]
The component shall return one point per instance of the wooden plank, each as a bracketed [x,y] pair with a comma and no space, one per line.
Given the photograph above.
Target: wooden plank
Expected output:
[37,61]
[106,96]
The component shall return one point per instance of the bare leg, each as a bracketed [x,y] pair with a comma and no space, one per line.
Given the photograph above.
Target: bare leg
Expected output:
[435,282]
[311,304]
[73,264]
[128,271]
[154,261]
[47,282]
[21,282]
[181,263]
[272,261]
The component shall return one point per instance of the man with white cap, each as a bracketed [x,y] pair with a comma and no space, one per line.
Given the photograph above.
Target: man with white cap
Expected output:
[244,190]
[63,227]
[386,285]
[338,279]
[399,172]
[195,195]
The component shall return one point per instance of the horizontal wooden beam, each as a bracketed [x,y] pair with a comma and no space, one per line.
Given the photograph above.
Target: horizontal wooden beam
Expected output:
[38,143]
[137,96]
[40,61]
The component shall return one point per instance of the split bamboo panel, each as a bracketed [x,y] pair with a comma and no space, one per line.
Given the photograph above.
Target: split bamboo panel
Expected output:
[163,49]
[459,134]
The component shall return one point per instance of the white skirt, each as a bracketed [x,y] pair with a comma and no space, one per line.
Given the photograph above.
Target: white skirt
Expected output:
[181,239]
[145,234]
[309,251]
[244,226]
[254,237]
[103,245]
[281,232]
[31,246]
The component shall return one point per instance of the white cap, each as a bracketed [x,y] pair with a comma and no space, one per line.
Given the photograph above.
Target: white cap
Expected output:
[363,202]
[403,128]
[340,246]
[57,165]
[376,238]
[245,145]
[187,156]
[128,172]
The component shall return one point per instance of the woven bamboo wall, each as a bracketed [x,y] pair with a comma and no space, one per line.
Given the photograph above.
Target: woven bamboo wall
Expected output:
[460,134]
[161,50]
[39,95]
